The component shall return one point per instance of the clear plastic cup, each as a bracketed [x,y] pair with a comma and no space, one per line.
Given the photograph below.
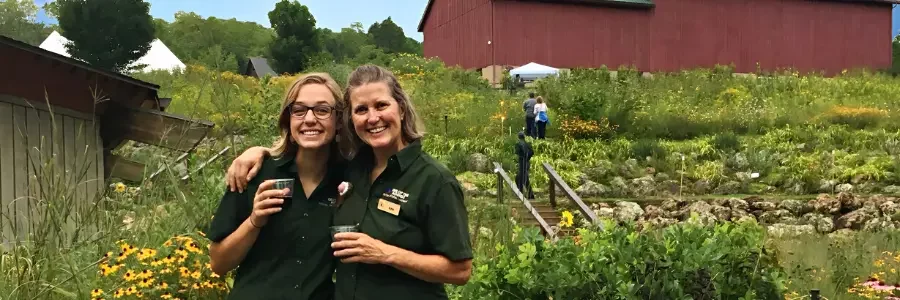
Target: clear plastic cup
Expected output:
[343,228]
[281,184]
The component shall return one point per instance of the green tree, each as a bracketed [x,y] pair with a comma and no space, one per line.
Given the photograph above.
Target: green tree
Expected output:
[18,20]
[110,34]
[389,37]
[897,54]
[203,41]
[296,37]
[346,44]
[414,46]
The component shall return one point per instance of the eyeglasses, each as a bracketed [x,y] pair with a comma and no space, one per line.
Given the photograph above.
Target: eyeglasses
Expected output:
[321,112]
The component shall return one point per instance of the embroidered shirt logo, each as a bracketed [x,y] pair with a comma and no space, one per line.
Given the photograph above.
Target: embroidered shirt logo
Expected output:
[396,195]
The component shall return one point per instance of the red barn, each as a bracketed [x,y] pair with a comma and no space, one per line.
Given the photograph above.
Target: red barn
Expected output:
[661,35]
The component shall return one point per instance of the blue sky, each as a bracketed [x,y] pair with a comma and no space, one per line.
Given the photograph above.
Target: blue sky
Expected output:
[333,14]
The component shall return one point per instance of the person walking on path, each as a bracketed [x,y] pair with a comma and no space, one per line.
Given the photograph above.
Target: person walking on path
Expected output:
[524,152]
[541,118]
[528,106]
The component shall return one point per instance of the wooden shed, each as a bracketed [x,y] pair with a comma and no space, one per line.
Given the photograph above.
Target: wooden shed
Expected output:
[661,35]
[60,119]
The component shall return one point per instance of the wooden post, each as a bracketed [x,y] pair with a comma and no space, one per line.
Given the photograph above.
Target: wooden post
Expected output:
[552,191]
[814,294]
[499,188]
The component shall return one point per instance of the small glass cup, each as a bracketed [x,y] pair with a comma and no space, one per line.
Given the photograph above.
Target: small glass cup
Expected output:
[287,183]
[343,228]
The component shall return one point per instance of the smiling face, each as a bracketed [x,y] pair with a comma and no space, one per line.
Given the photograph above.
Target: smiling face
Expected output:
[377,117]
[312,118]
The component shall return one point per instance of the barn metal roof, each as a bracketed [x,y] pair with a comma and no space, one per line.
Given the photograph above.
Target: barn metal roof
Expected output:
[261,66]
[644,3]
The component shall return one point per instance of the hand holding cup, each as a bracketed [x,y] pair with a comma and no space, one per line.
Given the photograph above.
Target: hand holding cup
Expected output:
[267,201]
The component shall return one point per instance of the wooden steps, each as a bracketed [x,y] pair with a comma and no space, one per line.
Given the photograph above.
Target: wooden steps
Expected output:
[550,215]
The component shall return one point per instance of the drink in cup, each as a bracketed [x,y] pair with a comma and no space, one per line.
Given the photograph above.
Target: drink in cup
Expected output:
[281,184]
[343,228]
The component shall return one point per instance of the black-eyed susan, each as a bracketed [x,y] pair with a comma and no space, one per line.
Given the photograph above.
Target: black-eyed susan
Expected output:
[163,285]
[192,247]
[129,275]
[96,293]
[146,282]
[145,274]
[119,293]
[166,295]
[196,274]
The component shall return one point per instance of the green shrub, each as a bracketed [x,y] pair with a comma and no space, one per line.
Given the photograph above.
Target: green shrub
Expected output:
[727,142]
[727,261]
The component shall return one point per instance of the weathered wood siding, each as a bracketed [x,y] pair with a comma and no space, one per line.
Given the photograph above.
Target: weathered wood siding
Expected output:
[45,158]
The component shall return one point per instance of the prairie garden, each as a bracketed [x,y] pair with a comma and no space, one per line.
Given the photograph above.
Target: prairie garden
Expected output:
[708,185]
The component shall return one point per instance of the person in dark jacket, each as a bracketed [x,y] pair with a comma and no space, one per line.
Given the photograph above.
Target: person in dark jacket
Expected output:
[523,174]
[528,106]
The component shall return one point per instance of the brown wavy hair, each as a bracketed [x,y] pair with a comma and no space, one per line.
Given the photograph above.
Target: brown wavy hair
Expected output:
[285,145]
[411,126]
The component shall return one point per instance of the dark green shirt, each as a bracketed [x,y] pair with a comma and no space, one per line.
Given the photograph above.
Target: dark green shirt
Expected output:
[292,256]
[431,219]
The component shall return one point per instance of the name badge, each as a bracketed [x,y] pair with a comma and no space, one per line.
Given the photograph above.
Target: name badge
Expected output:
[389,207]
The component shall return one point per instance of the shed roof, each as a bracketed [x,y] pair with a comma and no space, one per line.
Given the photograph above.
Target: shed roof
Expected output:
[633,3]
[131,108]
[4,40]
[260,66]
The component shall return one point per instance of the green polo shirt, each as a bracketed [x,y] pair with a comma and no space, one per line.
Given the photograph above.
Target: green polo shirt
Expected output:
[431,219]
[292,257]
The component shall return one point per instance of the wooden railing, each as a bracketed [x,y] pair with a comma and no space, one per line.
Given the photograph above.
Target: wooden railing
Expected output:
[556,180]
[503,177]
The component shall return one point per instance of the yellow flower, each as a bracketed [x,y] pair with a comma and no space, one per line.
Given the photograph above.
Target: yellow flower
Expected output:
[120,187]
[146,282]
[196,274]
[166,295]
[879,263]
[567,219]
[146,253]
[96,293]
[118,293]
[129,276]
[163,285]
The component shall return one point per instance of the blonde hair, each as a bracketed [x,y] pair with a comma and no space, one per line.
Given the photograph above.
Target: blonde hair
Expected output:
[285,145]
[411,126]
[540,99]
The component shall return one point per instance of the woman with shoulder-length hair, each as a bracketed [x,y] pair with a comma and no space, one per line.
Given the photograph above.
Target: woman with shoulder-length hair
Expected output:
[279,237]
[540,117]
[412,223]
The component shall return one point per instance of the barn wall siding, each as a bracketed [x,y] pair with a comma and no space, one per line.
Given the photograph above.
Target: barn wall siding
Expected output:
[458,32]
[806,35]
[41,154]
[827,36]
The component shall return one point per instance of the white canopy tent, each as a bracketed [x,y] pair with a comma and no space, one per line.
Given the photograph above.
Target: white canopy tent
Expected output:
[533,71]
[159,57]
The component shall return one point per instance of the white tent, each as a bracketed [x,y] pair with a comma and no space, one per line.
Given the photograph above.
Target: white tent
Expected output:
[159,57]
[533,71]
